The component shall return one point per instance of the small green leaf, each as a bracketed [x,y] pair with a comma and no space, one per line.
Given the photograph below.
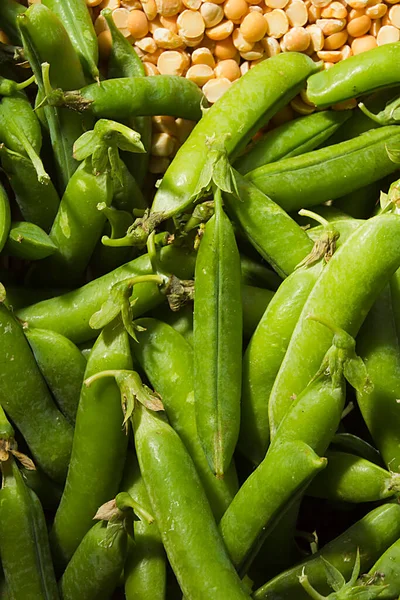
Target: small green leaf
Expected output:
[393,154]
[85,145]
[110,309]
[334,577]
[356,374]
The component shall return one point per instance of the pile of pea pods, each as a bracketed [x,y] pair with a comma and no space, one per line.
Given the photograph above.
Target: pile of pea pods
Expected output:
[199,376]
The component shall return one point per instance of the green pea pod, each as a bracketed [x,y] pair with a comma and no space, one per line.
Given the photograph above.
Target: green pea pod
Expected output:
[161,349]
[378,344]
[69,314]
[368,259]
[28,241]
[28,403]
[362,74]
[76,19]
[37,202]
[127,193]
[99,447]
[127,97]
[23,537]
[181,510]
[48,492]
[329,173]
[350,478]
[5,217]
[145,568]
[265,497]
[62,365]
[271,231]
[255,273]
[45,40]
[385,572]
[292,139]
[19,296]
[347,442]
[9,10]
[254,304]
[360,204]
[181,321]
[94,570]
[123,61]
[217,341]
[239,114]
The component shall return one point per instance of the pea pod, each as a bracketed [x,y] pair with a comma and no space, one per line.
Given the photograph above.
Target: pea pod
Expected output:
[217,341]
[145,567]
[9,10]
[347,442]
[23,533]
[332,298]
[181,510]
[255,273]
[97,459]
[95,568]
[372,535]
[48,492]
[162,349]
[37,202]
[385,573]
[254,304]
[240,113]
[28,241]
[76,19]
[292,139]
[362,74]
[62,365]
[5,217]
[328,173]
[28,403]
[106,258]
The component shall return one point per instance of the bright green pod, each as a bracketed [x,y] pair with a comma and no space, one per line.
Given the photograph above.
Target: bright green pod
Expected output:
[385,572]
[217,341]
[28,241]
[5,217]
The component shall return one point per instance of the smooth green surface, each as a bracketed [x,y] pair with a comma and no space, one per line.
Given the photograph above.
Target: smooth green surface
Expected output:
[5,217]
[28,241]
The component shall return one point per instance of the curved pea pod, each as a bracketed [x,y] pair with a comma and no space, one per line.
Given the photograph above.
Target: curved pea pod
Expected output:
[28,241]
[99,447]
[62,365]
[75,17]
[94,570]
[123,61]
[368,259]
[292,139]
[264,498]
[254,304]
[127,194]
[28,403]
[372,535]
[70,313]
[264,355]
[161,349]
[145,567]
[23,537]
[5,217]
[385,573]
[181,510]
[255,273]
[359,75]
[350,478]
[45,40]
[378,344]
[9,10]
[181,321]
[37,202]
[127,97]
[272,232]
[329,173]
[239,114]
[361,203]
[347,442]
[217,341]
[48,492]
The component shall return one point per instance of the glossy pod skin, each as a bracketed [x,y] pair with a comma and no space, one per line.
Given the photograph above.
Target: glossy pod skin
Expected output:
[386,572]
[28,403]
[347,442]
[23,535]
[333,299]
[217,340]
[127,97]
[5,217]
[272,232]
[28,241]
[161,349]
[75,17]
[372,535]
[328,173]
[363,73]
[242,110]
[145,567]
[37,202]
[69,314]
[62,365]
[292,139]
[99,447]
[181,510]
[377,343]
[350,478]
[95,568]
